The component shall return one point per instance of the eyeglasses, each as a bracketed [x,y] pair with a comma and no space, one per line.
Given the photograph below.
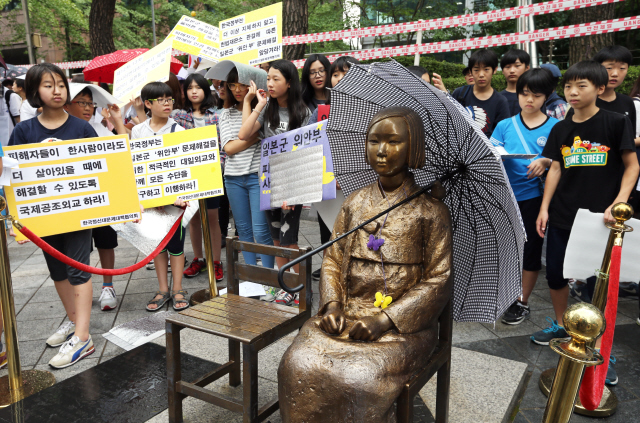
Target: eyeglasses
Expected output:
[85,104]
[237,86]
[163,100]
[319,72]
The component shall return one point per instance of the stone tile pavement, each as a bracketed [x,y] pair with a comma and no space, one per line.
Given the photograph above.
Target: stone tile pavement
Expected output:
[39,313]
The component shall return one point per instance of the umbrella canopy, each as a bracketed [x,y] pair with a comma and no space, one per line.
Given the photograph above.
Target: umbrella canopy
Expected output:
[12,72]
[488,236]
[246,73]
[102,68]
[101,97]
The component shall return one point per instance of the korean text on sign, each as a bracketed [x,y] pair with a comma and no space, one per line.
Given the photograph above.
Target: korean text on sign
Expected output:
[182,165]
[196,37]
[66,186]
[253,38]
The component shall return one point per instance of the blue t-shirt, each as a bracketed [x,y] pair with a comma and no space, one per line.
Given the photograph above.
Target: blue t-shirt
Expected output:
[32,131]
[1,153]
[505,135]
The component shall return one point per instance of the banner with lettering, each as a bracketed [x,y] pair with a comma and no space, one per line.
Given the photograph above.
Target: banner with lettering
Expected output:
[66,186]
[196,37]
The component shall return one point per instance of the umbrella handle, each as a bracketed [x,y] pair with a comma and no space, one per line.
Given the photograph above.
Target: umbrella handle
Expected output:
[333,241]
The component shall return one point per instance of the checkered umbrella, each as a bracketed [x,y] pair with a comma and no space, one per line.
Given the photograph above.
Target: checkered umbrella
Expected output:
[488,235]
[102,68]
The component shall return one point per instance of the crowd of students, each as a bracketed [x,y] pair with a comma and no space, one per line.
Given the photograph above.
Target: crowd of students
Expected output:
[253,103]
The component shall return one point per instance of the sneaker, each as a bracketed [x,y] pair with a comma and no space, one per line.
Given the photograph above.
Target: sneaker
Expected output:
[151,265]
[296,300]
[269,294]
[71,352]
[217,266]
[612,376]
[63,333]
[284,298]
[316,274]
[629,290]
[579,292]
[195,268]
[516,314]
[554,331]
[108,300]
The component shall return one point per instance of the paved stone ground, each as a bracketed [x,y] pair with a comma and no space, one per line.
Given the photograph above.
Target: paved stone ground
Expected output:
[40,312]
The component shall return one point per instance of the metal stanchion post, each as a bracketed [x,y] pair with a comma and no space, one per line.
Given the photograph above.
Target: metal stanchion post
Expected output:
[621,212]
[584,323]
[17,385]
[206,294]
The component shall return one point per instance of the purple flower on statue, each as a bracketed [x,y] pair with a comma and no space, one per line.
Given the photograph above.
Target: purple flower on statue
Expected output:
[375,243]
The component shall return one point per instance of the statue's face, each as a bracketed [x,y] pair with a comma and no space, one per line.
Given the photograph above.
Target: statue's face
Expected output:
[388,146]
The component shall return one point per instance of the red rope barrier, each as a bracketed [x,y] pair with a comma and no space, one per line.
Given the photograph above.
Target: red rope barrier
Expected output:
[95,270]
[593,381]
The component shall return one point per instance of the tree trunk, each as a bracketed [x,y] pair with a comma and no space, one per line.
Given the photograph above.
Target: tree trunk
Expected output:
[583,48]
[101,27]
[296,21]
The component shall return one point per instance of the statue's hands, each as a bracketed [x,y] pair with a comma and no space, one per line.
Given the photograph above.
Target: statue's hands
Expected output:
[370,328]
[333,321]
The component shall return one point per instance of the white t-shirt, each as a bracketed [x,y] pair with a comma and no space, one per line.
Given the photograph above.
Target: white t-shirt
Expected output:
[6,124]
[27,112]
[100,129]
[144,130]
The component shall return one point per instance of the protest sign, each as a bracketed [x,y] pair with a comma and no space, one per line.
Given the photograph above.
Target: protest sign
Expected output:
[151,66]
[66,186]
[308,136]
[196,37]
[253,38]
[182,165]
[323,112]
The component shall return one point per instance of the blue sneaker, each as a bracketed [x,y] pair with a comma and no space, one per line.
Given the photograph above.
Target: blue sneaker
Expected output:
[612,376]
[542,337]
[579,292]
[628,290]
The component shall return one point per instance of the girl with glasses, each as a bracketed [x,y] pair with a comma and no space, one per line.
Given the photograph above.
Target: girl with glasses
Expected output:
[315,81]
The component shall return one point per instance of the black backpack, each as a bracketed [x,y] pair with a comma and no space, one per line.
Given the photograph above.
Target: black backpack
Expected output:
[7,99]
[462,95]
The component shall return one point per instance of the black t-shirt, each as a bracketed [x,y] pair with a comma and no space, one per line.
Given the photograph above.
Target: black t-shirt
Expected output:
[590,157]
[512,100]
[32,131]
[487,113]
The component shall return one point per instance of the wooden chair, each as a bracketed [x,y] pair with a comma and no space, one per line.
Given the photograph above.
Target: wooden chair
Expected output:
[254,324]
[440,362]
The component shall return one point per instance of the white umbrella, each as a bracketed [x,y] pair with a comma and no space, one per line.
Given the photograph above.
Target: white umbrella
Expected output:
[100,96]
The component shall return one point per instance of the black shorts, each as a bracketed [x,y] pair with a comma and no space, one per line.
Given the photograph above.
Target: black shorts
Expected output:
[529,210]
[76,245]
[213,203]
[105,238]
[284,225]
[175,247]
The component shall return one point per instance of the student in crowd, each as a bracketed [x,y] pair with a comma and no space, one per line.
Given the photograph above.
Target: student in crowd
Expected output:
[265,66]
[315,81]
[514,63]
[420,72]
[47,87]
[26,111]
[468,76]
[200,110]
[158,99]
[578,181]
[527,133]
[219,89]
[241,179]
[616,60]
[283,112]
[104,237]
[555,106]
[9,111]
[486,105]
[178,93]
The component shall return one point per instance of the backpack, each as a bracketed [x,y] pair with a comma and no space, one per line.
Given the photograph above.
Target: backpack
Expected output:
[462,95]
[7,99]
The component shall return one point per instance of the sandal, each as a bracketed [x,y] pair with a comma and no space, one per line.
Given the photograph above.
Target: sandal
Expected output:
[175,300]
[159,302]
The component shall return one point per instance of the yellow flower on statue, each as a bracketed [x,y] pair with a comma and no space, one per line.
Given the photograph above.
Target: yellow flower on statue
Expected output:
[382,300]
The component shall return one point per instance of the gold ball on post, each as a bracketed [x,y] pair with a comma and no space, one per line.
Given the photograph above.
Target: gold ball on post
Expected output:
[3,203]
[584,322]
[193,13]
[622,212]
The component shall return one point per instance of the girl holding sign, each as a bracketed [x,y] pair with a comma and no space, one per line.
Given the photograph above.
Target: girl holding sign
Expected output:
[285,111]
[241,178]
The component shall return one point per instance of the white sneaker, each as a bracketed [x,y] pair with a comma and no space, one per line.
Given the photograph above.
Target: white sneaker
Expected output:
[63,333]
[71,352]
[151,265]
[108,300]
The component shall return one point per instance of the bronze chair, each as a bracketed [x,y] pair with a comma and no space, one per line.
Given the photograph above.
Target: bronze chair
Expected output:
[254,324]
[440,362]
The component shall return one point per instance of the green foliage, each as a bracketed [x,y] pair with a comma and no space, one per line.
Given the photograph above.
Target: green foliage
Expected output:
[324,17]
[444,69]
